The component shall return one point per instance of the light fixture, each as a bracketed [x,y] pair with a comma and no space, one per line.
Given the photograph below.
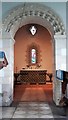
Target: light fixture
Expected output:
[33,30]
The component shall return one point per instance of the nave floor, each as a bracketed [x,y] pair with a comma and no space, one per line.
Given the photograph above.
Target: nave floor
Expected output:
[34,102]
[34,111]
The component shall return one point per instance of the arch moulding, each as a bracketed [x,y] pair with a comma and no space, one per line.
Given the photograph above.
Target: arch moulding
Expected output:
[33,13]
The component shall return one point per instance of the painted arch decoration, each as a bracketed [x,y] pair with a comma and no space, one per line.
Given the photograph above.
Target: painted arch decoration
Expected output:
[16,17]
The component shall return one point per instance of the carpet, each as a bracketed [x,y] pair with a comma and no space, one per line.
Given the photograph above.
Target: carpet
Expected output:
[33,93]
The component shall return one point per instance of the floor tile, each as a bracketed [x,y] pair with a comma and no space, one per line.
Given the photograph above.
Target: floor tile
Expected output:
[0,112]
[7,112]
[34,110]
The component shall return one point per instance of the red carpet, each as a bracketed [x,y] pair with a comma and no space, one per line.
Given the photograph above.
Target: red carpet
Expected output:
[35,93]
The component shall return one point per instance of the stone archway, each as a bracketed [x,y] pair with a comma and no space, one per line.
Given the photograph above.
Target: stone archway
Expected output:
[22,15]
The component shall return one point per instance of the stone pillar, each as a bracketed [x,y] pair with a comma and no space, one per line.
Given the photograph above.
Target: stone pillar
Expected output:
[7,72]
[60,59]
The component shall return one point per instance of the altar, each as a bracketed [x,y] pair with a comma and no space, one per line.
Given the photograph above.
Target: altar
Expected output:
[32,76]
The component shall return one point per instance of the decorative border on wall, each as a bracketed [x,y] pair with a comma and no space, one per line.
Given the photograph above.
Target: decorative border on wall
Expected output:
[15,18]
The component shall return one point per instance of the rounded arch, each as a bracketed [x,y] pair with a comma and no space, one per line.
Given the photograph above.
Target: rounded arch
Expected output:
[39,14]
[33,13]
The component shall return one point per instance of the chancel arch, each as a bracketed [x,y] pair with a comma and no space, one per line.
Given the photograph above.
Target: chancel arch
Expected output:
[35,14]
[18,17]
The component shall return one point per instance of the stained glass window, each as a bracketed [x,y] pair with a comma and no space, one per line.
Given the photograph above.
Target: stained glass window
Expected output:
[33,56]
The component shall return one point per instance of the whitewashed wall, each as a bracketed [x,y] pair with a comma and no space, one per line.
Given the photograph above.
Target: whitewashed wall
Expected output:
[1,72]
[60,52]
[6,74]
[67,41]
[60,62]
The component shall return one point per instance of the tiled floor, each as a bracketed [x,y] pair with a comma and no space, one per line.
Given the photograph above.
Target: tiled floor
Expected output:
[35,110]
[0,112]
